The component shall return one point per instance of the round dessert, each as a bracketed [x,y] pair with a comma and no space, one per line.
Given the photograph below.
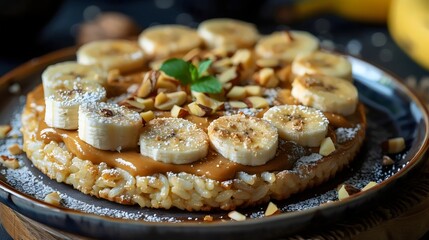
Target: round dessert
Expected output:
[209,128]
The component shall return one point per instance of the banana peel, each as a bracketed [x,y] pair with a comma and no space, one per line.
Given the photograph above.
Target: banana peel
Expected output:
[408,24]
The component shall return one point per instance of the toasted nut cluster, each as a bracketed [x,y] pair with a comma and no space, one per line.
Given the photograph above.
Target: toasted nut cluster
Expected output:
[369,185]
[4,130]
[15,149]
[394,145]
[346,190]
[53,198]
[234,215]
[9,162]
[271,209]
[326,147]
[387,161]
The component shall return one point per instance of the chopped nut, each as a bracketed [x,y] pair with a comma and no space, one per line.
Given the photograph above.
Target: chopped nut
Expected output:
[228,75]
[267,63]
[148,84]
[15,149]
[203,99]
[236,92]
[284,74]
[53,198]
[147,116]
[166,101]
[4,130]
[267,78]
[271,209]
[253,90]
[9,162]
[368,186]
[132,104]
[208,218]
[147,102]
[236,216]
[222,64]
[167,83]
[387,161]
[243,57]
[179,112]
[326,147]
[199,109]
[237,104]
[394,145]
[346,191]
[256,102]
[194,53]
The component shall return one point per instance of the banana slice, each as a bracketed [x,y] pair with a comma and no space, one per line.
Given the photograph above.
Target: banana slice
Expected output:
[323,63]
[304,125]
[173,140]
[326,93]
[228,34]
[62,106]
[286,45]
[165,40]
[123,55]
[244,140]
[70,70]
[108,126]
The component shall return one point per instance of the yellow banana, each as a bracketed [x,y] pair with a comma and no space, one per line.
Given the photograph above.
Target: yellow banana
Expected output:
[409,26]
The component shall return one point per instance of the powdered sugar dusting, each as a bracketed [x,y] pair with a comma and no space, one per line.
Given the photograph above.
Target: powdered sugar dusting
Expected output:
[307,160]
[346,134]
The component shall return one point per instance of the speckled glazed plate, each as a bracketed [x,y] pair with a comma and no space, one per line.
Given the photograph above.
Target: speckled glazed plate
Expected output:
[392,110]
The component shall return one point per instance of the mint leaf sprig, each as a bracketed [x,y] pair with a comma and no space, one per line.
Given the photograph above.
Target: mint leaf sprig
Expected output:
[188,74]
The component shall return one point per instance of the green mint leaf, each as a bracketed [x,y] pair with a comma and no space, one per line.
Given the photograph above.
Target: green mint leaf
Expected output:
[178,69]
[194,73]
[207,84]
[203,66]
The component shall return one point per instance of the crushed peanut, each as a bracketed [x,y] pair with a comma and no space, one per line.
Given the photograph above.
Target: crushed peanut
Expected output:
[53,198]
[234,215]
[9,162]
[14,149]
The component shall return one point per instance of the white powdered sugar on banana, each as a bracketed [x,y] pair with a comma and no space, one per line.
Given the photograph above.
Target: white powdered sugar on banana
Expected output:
[326,93]
[108,126]
[304,125]
[286,45]
[324,63]
[55,74]
[63,105]
[173,140]
[228,34]
[244,140]
[165,40]
[123,55]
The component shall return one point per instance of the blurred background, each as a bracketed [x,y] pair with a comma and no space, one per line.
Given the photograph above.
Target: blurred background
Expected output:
[357,27]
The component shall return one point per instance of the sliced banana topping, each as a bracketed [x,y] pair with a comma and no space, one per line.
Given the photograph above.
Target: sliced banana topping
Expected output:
[286,45]
[62,106]
[228,34]
[166,40]
[173,140]
[326,93]
[304,125]
[112,54]
[70,70]
[244,140]
[108,126]
[324,63]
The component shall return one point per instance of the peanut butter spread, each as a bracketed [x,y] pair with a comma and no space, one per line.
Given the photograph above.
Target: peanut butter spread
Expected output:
[213,166]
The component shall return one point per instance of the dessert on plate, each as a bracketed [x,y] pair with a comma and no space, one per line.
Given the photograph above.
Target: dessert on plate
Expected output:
[214,118]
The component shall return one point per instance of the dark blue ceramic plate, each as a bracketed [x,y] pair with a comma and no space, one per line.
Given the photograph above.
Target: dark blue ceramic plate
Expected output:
[392,110]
